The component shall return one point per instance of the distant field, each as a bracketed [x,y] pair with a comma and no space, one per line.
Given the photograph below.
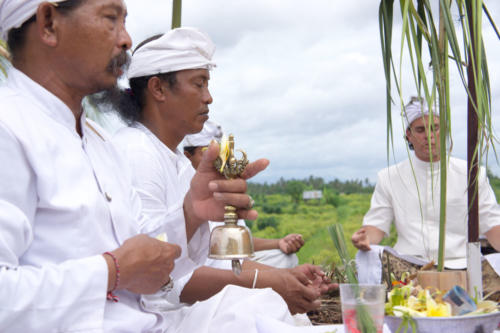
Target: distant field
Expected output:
[278,216]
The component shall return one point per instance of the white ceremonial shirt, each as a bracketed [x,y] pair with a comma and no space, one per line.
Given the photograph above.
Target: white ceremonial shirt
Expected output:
[415,209]
[64,200]
[162,178]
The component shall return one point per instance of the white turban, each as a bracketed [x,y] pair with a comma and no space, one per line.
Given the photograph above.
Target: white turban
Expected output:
[178,49]
[211,131]
[13,13]
[416,109]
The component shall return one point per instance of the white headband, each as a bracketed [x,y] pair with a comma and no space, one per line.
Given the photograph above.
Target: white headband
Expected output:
[178,49]
[211,131]
[416,109]
[13,13]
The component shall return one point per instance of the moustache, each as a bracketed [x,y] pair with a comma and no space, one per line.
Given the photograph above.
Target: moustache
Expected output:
[121,61]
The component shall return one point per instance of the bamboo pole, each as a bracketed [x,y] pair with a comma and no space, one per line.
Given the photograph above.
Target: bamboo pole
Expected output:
[176,13]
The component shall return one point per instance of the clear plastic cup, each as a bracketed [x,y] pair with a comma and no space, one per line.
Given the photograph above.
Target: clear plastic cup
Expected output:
[362,307]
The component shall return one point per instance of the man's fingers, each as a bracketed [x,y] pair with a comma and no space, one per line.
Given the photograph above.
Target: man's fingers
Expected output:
[254,168]
[208,158]
[296,244]
[303,278]
[238,200]
[177,250]
[365,247]
[247,214]
[230,186]
[310,293]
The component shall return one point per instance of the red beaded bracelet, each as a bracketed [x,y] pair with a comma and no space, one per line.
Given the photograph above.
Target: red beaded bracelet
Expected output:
[110,296]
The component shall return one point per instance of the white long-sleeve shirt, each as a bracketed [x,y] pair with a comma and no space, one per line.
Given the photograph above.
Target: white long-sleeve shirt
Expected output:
[162,178]
[64,201]
[411,200]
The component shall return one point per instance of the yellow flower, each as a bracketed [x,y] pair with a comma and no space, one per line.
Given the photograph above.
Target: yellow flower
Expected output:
[224,152]
[435,309]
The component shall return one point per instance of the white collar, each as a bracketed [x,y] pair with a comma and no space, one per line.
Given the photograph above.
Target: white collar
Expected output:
[47,102]
[425,165]
[180,161]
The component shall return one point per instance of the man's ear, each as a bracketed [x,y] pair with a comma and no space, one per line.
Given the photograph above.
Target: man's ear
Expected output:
[408,133]
[156,88]
[47,23]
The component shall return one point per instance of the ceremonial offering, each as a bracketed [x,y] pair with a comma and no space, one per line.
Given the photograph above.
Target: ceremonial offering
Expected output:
[415,309]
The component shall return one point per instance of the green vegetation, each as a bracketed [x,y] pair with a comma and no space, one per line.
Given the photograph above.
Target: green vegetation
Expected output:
[282,211]
[280,215]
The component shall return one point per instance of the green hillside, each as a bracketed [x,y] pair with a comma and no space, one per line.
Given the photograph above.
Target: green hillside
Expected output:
[282,211]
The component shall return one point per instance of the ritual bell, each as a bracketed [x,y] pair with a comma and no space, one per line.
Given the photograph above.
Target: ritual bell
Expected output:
[230,241]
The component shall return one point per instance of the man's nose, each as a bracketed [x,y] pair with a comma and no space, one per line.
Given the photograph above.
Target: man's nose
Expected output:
[207,98]
[125,40]
[431,136]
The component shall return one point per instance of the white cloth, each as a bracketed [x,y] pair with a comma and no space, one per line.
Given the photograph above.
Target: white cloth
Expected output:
[162,178]
[63,202]
[369,266]
[276,258]
[270,325]
[178,49]
[494,260]
[211,131]
[13,13]
[397,199]
[234,309]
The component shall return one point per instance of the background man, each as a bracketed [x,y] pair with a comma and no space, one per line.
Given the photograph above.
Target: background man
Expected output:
[68,214]
[273,252]
[408,195]
[169,98]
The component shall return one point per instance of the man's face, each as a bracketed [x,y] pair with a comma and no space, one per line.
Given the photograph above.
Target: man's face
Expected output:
[423,136]
[92,45]
[187,101]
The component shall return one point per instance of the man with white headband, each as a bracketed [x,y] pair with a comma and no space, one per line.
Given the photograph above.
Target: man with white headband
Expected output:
[169,98]
[408,195]
[71,257]
[280,252]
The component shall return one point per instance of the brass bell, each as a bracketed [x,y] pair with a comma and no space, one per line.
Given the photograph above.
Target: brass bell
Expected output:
[230,241]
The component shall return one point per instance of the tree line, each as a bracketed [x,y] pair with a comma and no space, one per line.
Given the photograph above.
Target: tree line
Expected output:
[290,186]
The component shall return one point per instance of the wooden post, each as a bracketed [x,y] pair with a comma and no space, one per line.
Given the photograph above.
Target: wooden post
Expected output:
[473,246]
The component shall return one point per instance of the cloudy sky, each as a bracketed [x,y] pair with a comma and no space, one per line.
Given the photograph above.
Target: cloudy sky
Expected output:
[301,82]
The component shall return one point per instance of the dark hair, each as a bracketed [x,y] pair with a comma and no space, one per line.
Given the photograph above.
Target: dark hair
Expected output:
[130,102]
[16,37]
[190,149]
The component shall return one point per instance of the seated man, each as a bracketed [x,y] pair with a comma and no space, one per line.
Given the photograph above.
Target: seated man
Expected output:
[168,99]
[71,256]
[408,195]
[273,252]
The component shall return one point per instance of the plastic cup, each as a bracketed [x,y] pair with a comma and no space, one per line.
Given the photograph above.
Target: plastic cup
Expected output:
[362,307]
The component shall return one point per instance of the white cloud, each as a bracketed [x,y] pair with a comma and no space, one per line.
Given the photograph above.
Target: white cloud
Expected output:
[302,83]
